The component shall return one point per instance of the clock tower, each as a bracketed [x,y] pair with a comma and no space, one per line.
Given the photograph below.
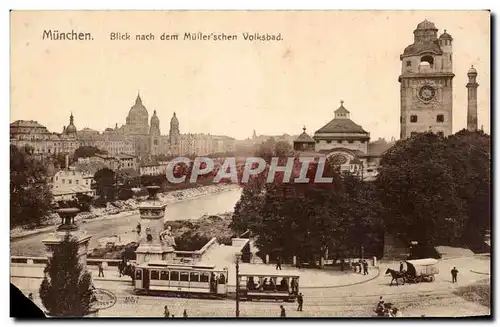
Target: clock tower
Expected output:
[426,83]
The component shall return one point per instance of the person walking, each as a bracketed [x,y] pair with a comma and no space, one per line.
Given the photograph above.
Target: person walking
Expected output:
[365,267]
[278,263]
[283,313]
[166,313]
[300,301]
[454,273]
[184,314]
[101,270]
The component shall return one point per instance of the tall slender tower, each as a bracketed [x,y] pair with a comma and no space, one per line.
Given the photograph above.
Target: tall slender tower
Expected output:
[472,100]
[426,83]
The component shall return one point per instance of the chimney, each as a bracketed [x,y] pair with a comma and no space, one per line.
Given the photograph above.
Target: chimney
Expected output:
[67,162]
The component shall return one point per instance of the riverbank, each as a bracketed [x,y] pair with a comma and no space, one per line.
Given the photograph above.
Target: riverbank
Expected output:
[125,208]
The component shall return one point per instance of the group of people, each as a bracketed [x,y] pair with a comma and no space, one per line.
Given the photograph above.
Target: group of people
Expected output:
[387,309]
[166,313]
[216,280]
[269,285]
[361,266]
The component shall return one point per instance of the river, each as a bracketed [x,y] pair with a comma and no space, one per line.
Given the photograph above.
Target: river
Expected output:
[188,209]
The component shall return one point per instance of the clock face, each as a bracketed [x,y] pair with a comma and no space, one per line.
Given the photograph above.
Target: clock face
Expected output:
[427,93]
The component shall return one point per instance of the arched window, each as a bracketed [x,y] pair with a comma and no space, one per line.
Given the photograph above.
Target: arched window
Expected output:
[428,59]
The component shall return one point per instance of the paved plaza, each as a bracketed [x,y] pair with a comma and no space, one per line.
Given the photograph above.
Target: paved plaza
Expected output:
[353,299]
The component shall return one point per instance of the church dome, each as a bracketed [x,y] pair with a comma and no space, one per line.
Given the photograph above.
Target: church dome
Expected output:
[71,127]
[426,25]
[138,109]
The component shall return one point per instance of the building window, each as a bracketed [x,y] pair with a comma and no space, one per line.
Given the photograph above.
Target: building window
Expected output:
[429,60]
[63,181]
[70,181]
[362,141]
[413,118]
[339,141]
[76,182]
[440,118]
[408,63]
[328,141]
[351,141]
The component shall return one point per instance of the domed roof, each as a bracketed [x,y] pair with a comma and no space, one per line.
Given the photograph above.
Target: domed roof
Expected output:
[174,120]
[71,127]
[138,108]
[304,137]
[445,36]
[426,25]
[472,70]
[155,119]
[419,48]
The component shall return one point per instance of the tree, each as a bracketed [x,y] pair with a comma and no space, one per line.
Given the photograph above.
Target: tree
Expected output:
[416,185]
[87,151]
[30,195]
[105,184]
[469,155]
[66,290]
[60,160]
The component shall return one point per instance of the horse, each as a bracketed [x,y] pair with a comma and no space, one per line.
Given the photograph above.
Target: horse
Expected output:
[395,276]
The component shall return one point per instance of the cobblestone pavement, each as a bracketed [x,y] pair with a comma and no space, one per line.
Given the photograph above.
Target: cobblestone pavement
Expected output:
[349,301]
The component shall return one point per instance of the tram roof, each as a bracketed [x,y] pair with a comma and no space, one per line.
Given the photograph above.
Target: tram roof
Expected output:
[165,264]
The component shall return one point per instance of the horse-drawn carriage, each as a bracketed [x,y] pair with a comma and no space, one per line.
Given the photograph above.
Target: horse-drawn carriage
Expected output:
[422,270]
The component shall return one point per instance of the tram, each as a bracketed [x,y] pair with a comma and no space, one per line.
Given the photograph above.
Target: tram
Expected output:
[180,280]
[268,286]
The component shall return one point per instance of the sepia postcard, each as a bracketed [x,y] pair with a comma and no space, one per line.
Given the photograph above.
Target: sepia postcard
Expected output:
[250,164]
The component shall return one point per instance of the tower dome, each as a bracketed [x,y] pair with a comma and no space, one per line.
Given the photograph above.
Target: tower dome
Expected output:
[154,119]
[445,36]
[71,127]
[426,25]
[472,71]
[174,121]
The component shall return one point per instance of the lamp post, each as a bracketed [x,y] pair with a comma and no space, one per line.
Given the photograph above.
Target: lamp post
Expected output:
[238,256]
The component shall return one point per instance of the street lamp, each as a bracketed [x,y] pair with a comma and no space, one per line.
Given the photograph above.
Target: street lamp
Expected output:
[238,257]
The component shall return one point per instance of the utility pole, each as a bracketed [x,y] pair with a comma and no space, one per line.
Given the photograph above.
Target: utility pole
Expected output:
[238,255]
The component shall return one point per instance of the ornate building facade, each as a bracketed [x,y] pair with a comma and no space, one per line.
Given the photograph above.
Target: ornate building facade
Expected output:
[426,82]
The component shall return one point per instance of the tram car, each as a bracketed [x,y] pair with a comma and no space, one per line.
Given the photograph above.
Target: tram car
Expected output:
[180,280]
[271,286]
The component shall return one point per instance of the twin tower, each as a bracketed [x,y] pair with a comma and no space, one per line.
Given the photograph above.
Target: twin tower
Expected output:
[427,84]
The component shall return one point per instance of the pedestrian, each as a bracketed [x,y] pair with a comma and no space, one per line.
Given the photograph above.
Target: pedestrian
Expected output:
[184,314]
[454,273]
[366,267]
[166,313]
[101,270]
[278,263]
[30,296]
[300,301]
[283,313]
[401,266]
[138,228]
[173,316]
[380,308]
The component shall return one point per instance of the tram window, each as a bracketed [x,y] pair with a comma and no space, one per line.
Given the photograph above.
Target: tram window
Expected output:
[138,274]
[155,275]
[184,277]
[164,275]
[194,277]
[174,275]
[222,279]
[204,278]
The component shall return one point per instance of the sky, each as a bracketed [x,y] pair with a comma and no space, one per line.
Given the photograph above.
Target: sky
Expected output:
[234,87]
